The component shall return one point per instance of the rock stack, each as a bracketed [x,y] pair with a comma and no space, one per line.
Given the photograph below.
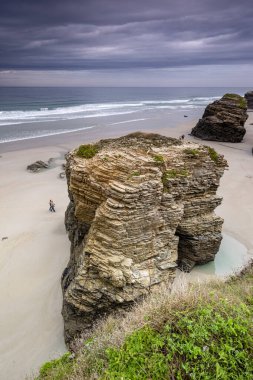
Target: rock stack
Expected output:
[249,97]
[140,205]
[223,120]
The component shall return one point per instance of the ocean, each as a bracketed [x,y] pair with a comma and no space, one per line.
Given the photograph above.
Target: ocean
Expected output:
[35,112]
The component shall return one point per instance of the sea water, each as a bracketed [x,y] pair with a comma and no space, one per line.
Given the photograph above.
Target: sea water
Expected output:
[27,113]
[232,257]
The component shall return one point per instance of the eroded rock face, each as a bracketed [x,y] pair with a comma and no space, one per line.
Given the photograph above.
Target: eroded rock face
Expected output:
[223,120]
[249,98]
[142,204]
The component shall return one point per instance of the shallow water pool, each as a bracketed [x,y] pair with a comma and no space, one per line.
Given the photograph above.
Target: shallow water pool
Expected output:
[232,256]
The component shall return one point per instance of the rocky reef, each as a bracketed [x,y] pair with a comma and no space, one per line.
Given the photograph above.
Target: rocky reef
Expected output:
[249,98]
[223,120]
[140,205]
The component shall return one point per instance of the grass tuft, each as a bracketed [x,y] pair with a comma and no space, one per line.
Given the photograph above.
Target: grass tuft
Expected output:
[174,173]
[240,100]
[135,174]
[87,151]
[158,158]
[213,154]
[56,369]
[191,152]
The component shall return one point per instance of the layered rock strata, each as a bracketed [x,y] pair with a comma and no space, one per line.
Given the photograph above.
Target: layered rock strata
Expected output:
[249,98]
[143,204]
[223,120]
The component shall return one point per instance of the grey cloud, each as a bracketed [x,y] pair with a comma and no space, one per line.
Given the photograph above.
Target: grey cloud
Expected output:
[114,34]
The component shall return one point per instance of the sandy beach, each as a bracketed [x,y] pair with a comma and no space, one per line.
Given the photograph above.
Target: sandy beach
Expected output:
[31,262]
[36,250]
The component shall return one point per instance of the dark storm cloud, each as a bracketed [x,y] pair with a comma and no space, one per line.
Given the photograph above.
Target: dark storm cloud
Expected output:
[115,34]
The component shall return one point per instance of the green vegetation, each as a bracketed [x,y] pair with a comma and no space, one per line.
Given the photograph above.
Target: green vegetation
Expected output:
[174,173]
[241,100]
[135,174]
[213,154]
[158,158]
[204,332]
[211,342]
[191,152]
[87,151]
[56,369]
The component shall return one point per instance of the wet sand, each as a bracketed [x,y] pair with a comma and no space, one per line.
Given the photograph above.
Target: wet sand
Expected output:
[37,249]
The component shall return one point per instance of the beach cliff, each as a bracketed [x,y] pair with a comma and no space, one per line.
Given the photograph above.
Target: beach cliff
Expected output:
[140,205]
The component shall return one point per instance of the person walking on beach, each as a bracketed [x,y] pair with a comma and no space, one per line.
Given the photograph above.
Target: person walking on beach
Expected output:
[51,206]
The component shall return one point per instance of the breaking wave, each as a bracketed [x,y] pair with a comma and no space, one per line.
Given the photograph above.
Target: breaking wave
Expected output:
[45,114]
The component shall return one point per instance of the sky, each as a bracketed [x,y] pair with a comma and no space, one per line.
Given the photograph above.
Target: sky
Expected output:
[126,43]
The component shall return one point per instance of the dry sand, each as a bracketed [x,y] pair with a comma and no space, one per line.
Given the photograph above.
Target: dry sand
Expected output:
[37,249]
[31,262]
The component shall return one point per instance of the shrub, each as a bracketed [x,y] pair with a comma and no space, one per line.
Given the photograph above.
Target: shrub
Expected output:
[87,151]
[200,332]
[210,342]
[141,357]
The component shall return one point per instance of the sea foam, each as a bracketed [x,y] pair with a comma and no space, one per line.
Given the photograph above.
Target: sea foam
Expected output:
[45,114]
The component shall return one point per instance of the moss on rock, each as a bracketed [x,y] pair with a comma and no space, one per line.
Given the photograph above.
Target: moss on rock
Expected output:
[87,151]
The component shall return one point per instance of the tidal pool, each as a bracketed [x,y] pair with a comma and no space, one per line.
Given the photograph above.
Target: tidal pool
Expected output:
[232,256]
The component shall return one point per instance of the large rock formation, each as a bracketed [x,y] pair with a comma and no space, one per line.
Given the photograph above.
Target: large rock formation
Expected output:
[223,120]
[138,205]
[249,98]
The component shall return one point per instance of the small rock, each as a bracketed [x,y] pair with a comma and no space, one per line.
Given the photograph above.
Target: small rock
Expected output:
[62,175]
[186,265]
[37,166]
[5,238]
[50,160]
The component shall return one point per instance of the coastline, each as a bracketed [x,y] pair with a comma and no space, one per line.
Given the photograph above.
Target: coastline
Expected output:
[37,249]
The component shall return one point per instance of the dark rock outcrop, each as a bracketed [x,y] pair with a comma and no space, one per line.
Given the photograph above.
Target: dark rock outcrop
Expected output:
[139,206]
[37,166]
[223,120]
[249,98]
